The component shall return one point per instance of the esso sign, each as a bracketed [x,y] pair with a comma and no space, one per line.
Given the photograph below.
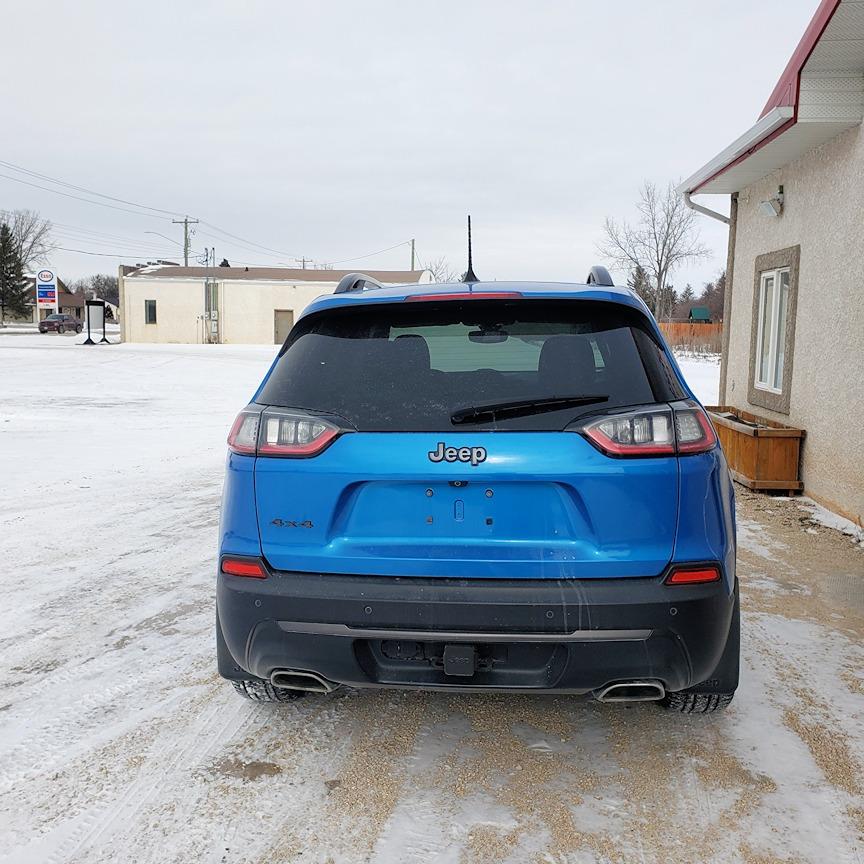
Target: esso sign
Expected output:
[45,276]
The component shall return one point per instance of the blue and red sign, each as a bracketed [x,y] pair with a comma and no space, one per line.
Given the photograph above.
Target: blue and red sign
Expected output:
[46,289]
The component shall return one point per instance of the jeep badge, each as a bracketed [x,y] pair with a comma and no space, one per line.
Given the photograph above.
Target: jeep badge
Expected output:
[474,455]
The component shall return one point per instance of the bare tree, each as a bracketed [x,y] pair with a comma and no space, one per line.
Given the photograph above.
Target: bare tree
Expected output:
[32,236]
[102,286]
[664,237]
[441,270]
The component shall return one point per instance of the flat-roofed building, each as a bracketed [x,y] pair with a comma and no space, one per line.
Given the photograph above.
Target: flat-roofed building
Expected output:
[238,305]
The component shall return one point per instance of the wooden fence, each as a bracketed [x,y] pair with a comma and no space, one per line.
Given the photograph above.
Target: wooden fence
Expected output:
[695,338]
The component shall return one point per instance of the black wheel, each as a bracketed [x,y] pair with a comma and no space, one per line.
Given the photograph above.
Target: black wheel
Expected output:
[78,329]
[61,328]
[264,691]
[717,692]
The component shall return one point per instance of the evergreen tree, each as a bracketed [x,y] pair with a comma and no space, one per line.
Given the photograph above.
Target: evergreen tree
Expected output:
[687,297]
[13,285]
[639,282]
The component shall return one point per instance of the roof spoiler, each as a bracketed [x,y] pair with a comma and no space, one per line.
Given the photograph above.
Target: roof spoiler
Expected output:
[356,283]
[599,276]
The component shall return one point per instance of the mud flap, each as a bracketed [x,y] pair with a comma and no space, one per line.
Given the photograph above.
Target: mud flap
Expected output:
[225,662]
[724,678]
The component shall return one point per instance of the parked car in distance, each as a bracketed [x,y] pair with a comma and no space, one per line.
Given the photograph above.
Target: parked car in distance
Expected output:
[60,323]
[475,487]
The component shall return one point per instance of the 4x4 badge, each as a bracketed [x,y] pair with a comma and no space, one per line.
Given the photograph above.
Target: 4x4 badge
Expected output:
[474,455]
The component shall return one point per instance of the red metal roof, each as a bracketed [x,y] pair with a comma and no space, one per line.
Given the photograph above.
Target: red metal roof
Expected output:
[819,95]
[786,91]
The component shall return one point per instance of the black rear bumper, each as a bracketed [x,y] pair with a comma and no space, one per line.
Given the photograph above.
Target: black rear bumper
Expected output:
[568,635]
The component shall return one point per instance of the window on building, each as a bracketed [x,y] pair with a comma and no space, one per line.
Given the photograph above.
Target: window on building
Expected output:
[149,311]
[771,337]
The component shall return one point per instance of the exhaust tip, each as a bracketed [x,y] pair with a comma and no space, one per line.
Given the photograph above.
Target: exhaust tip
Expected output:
[293,679]
[631,691]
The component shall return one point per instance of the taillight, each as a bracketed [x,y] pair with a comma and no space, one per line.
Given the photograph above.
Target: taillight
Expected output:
[243,437]
[288,434]
[683,429]
[693,574]
[243,567]
[693,430]
[274,432]
[637,433]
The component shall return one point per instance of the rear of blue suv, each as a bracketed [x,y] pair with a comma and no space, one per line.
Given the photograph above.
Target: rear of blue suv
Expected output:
[479,486]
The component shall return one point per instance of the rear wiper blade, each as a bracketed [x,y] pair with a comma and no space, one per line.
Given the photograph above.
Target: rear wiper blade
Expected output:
[520,408]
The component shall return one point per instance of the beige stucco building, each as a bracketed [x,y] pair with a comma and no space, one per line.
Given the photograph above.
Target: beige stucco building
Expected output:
[238,305]
[794,316]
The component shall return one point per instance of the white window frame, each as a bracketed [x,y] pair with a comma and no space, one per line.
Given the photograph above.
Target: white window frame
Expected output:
[773,337]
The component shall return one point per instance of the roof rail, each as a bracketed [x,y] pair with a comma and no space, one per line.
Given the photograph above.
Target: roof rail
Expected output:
[356,282]
[599,276]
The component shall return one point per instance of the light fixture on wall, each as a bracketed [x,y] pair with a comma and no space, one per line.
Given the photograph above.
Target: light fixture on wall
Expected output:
[773,206]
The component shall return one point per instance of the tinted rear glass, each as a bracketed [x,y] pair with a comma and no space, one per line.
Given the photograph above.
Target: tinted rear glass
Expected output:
[409,366]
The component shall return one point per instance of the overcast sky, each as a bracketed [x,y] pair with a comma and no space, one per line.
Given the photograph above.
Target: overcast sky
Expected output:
[334,129]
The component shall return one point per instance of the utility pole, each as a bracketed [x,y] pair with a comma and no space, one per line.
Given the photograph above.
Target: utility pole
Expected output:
[185,222]
[412,253]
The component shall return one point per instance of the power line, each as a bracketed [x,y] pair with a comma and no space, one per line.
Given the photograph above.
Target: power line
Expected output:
[241,244]
[252,245]
[125,242]
[278,252]
[111,255]
[371,254]
[84,189]
[62,228]
[79,198]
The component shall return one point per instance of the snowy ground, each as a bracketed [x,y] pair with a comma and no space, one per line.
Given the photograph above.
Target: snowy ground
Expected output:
[118,743]
[703,376]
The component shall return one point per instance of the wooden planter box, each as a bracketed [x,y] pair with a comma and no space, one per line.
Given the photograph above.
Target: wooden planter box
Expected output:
[762,454]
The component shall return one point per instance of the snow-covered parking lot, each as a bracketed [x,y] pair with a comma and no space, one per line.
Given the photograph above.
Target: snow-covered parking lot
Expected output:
[118,742]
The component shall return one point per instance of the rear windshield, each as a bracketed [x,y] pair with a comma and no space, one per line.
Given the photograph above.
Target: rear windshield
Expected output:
[410,366]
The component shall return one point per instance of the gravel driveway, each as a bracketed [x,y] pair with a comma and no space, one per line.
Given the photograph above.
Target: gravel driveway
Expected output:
[119,743]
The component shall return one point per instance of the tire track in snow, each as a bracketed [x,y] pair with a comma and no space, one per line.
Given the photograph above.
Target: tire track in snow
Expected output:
[49,744]
[208,732]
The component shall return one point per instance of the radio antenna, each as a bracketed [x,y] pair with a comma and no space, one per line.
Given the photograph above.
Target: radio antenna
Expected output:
[470,276]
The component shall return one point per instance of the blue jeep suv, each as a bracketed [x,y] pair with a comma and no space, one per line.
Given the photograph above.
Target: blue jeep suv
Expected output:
[478,486]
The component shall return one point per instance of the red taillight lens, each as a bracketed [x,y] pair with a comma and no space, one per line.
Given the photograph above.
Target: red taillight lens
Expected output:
[243,437]
[468,295]
[693,430]
[683,429]
[280,433]
[287,434]
[637,433]
[693,574]
[243,567]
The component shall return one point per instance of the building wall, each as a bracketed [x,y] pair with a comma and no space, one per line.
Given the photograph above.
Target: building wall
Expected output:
[824,214]
[246,308]
[179,307]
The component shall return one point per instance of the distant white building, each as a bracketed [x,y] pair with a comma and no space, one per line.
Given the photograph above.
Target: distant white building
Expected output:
[239,305]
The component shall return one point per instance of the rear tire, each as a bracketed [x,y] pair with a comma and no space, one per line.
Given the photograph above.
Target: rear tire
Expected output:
[696,703]
[61,329]
[717,692]
[263,691]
